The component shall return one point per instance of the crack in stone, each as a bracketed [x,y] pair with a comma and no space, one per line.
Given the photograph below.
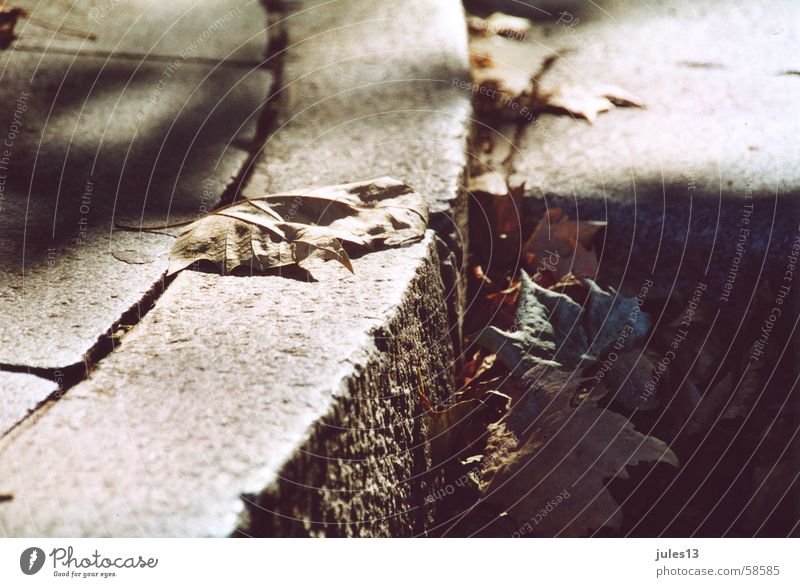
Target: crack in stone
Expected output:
[267,122]
[70,375]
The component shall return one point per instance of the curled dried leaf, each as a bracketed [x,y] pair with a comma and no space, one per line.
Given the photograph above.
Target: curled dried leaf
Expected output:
[286,229]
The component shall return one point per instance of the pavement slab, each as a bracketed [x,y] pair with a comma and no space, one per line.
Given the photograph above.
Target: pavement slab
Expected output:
[372,88]
[368,87]
[225,382]
[153,28]
[20,394]
[674,180]
[285,404]
[91,141]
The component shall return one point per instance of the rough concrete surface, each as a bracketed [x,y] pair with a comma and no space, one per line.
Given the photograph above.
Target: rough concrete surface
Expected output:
[20,393]
[719,133]
[367,88]
[231,385]
[91,141]
[370,88]
[279,405]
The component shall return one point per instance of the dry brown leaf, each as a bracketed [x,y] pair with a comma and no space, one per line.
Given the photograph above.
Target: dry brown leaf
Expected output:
[552,443]
[586,102]
[479,363]
[486,363]
[479,274]
[285,229]
[583,263]
[496,211]
[502,305]
[449,426]
[562,246]
[470,367]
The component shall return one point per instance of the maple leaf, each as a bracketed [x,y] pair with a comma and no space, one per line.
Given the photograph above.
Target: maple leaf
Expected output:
[500,84]
[454,426]
[613,318]
[551,329]
[286,229]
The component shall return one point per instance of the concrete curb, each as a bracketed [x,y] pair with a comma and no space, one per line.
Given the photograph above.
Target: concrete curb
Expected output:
[275,405]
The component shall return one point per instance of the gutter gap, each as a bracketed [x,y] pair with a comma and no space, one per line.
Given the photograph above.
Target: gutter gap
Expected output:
[508,163]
